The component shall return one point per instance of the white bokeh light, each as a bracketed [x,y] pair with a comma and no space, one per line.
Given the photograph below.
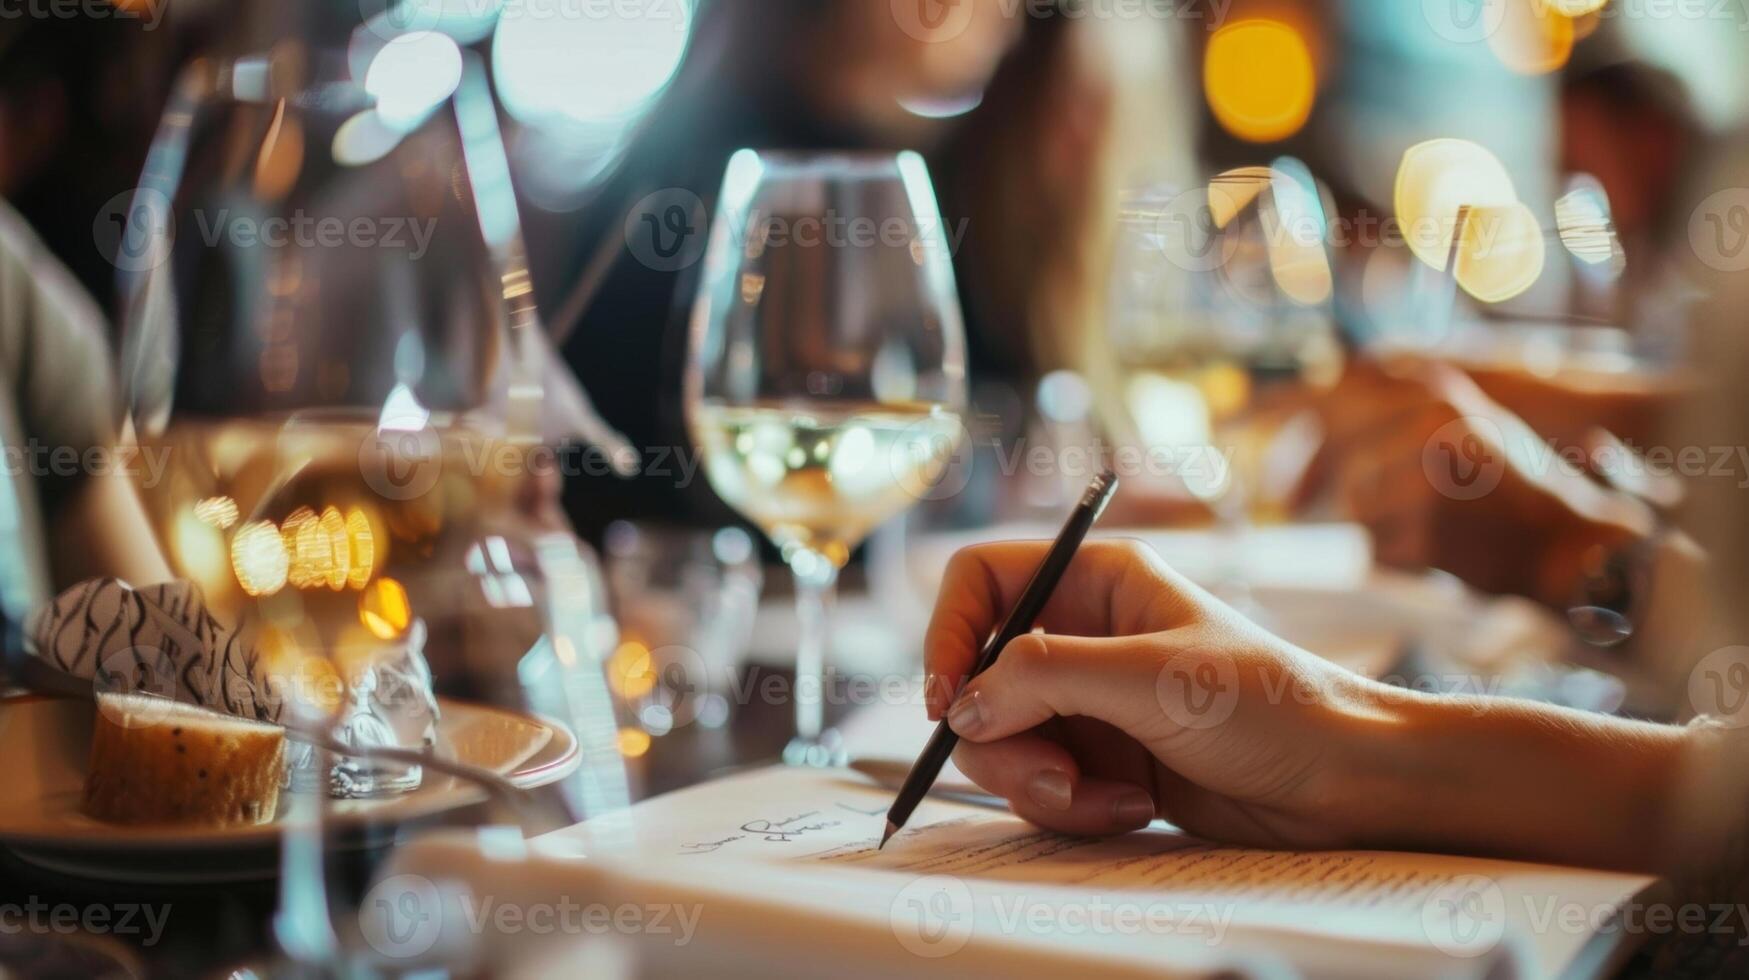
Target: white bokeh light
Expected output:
[567,61]
[411,75]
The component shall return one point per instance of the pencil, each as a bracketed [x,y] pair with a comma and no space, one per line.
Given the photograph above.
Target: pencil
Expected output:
[1020,619]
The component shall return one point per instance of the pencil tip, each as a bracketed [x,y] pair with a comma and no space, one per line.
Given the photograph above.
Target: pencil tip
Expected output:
[892,829]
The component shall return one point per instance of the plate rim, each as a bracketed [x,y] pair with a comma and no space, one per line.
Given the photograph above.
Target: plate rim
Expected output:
[126,839]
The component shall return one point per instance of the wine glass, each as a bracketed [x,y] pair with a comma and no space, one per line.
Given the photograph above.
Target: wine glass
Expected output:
[827,370]
[329,335]
[1221,314]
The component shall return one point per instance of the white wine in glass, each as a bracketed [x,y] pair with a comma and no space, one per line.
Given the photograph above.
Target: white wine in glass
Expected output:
[827,370]
[819,478]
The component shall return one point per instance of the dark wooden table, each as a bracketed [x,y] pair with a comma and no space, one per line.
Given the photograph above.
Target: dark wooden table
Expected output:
[208,930]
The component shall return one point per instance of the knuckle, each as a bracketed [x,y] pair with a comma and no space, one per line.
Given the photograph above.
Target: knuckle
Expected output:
[1029,654]
[959,563]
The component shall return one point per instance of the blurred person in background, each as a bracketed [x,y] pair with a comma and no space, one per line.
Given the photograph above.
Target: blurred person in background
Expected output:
[1552,531]
[80,98]
[1030,126]
[1079,729]
[67,502]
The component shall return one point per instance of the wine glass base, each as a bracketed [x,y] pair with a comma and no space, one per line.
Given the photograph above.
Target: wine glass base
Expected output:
[824,751]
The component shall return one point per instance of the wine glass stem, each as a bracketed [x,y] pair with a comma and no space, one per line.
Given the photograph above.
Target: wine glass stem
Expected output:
[303,922]
[816,580]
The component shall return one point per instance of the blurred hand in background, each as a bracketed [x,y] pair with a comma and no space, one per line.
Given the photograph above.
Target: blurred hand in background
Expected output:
[1445,476]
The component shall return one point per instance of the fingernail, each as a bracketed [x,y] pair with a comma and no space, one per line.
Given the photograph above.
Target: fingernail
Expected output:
[1133,810]
[932,695]
[1050,789]
[967,715]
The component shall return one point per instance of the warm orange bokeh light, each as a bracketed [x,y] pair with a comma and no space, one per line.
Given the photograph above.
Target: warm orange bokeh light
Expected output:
[1575,8]
[1232,191]
[219,512]
[1259,79]
[384,610]
[259,559]
[630,671]
[1501,254]
[1435,179]
[1534,38]
[633,742]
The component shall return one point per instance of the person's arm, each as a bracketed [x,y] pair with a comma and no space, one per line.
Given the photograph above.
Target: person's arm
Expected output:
[101,530]
[55,365]
[1517,779]
[1142,683]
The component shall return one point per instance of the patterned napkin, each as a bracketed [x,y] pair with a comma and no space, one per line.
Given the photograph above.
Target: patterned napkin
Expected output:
[162,640]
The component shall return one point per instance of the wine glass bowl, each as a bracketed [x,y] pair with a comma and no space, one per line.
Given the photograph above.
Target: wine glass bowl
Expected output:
[329,339]
[827,368]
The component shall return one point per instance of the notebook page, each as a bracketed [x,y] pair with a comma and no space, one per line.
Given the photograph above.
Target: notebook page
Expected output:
[784,834]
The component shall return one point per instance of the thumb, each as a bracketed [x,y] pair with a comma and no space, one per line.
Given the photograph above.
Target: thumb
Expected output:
[1042,676]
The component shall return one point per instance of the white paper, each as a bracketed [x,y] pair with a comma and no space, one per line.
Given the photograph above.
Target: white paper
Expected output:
[788,856]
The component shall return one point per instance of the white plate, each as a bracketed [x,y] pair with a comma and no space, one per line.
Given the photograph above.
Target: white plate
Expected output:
[45,743]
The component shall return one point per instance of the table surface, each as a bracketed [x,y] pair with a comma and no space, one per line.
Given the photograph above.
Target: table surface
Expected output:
[210,930]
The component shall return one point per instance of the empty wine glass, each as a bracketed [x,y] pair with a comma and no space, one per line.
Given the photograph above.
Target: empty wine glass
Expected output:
[827,370]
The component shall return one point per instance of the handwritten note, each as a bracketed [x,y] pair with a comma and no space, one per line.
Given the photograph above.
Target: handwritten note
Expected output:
[807,839]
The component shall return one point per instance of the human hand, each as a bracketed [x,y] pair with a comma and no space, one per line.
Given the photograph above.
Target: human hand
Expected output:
[1445,477]
[1143,696]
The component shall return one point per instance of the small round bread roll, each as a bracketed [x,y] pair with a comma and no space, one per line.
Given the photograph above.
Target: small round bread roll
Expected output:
[156,761]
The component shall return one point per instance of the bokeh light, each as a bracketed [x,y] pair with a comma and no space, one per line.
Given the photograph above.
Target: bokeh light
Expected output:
[1434,180]
[1295,231]
[1583,220]
[1574,8]
[630,671]
[259,559]
[1260,80]
[1533,38]
[219,512]
[384,610]
[1501,254]
[1232,191]
[633,742]
[411,75]
[558,62]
